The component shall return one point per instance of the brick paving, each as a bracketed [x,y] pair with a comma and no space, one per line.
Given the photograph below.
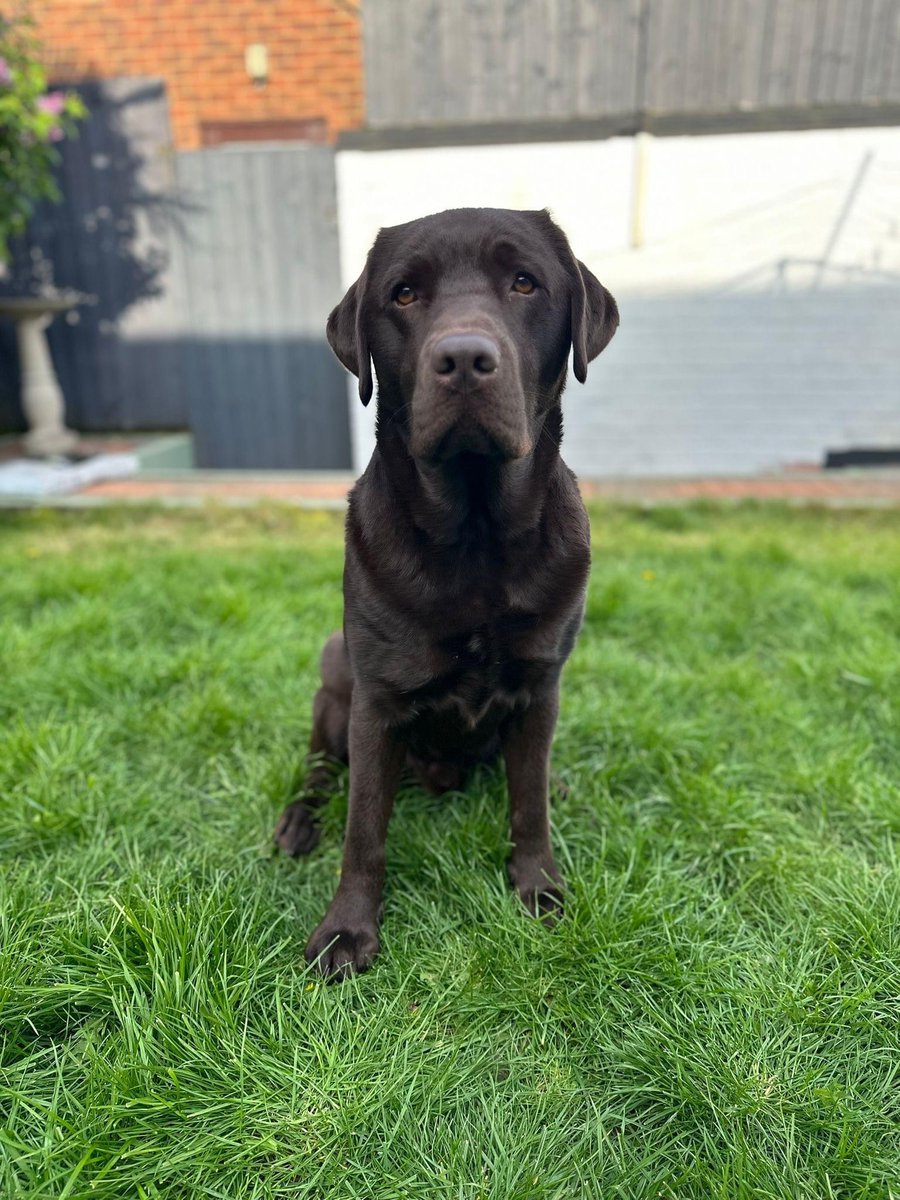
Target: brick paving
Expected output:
[832,488]
[253,487]
[835,488]
[799,484]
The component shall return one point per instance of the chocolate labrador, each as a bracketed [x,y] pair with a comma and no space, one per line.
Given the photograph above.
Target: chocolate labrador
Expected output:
[467,544]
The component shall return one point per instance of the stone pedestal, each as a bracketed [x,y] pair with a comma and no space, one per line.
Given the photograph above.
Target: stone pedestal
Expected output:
[42,398]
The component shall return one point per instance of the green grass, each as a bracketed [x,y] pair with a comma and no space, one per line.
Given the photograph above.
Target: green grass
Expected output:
[718,1016]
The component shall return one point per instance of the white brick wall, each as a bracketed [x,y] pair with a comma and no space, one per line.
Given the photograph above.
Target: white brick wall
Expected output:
[760,319]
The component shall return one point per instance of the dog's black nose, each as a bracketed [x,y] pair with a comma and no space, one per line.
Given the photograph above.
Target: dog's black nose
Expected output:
[465,358]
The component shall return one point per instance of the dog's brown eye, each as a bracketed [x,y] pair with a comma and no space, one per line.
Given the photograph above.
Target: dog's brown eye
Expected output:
[523,284]
[405,295]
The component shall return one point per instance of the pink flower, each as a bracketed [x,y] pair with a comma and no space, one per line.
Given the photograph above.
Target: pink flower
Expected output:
[53,102]
[5,72]
[54,134]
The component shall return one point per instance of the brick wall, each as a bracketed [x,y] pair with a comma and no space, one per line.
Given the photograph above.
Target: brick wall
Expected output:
[197,47]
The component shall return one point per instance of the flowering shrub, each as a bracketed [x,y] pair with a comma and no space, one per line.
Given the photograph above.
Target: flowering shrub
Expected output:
[31,121]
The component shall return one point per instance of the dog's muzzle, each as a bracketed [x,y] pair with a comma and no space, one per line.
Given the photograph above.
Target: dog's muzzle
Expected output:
[468,399]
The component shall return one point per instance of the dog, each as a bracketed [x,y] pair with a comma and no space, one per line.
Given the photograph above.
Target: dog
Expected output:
[467,544]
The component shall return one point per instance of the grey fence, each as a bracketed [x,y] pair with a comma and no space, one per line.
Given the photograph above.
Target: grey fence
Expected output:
[208,277]
[259,231]
[460,61]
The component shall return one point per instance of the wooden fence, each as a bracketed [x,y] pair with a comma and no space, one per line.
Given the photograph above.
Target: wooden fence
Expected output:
[462,61]
[262,272]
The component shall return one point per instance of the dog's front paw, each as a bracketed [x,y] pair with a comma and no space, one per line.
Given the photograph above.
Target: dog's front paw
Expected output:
[545,903]
[297,832]
[338,953]
[539,885]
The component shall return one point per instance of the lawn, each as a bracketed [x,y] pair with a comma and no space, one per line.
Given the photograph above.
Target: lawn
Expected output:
[717,1016]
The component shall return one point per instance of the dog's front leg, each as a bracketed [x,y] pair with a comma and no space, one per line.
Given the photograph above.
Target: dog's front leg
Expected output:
[526,748]
[346,939]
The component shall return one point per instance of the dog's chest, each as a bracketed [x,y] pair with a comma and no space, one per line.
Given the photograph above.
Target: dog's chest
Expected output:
[481,671]
[491,651]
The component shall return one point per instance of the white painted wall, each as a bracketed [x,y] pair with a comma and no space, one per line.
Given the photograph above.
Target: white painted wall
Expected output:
[760,319]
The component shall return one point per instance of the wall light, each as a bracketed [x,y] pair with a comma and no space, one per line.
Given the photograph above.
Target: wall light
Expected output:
[256,60]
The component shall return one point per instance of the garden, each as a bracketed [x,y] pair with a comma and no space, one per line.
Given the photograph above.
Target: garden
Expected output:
[716,1016]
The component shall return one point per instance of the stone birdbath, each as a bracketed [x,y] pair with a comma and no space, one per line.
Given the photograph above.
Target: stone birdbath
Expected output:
[42,398]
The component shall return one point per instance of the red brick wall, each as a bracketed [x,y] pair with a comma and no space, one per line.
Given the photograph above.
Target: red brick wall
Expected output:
[197,47]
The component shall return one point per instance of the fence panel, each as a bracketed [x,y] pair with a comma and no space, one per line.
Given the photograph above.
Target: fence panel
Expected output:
[261,256]
[480,60]
[459,61]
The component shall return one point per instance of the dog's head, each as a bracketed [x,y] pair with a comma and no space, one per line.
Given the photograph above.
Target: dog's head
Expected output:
[469,316]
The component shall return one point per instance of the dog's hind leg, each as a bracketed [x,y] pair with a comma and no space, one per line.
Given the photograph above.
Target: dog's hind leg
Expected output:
[331,717]
[297,831]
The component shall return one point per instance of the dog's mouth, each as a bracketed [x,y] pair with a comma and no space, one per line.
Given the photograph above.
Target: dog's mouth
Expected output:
[498,436]
[471,438]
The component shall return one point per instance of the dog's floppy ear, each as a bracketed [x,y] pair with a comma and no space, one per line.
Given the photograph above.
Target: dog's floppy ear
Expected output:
[347,337]
[595,318]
